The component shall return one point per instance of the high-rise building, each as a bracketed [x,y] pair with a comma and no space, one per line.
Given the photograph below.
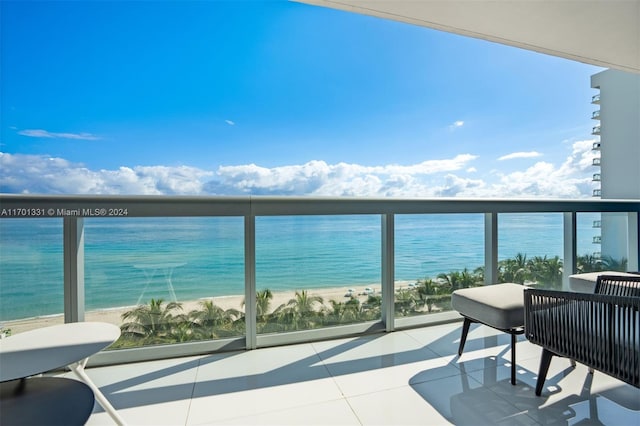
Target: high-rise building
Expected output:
[618,173]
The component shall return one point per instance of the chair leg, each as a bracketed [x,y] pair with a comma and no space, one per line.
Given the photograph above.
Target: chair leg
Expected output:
[463,338]
[513,359]
[545,361]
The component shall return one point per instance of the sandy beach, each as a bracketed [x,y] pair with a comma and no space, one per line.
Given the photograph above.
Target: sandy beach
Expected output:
[114,316]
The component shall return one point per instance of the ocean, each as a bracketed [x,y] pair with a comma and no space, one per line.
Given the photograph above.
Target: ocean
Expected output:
[131,260]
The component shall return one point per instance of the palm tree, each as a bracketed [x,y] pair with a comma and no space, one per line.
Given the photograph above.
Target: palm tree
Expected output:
[299,312]
[263,303]
[343,312]
[405,302]
[513,270]
[588,263]
[304,303]
[611,264]
[548,272]
[455,280]
[426,290]
[150,322]
[210,317]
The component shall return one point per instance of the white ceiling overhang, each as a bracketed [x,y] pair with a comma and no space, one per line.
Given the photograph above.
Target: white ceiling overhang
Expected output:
[605,33]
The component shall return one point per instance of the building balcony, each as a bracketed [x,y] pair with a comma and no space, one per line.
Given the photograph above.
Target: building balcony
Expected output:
[597,177]
[597,192]
[595,146]
[597,239]
[596,161]
[395,356]
[595,99]
[595,130]
[597,224]
[596,115]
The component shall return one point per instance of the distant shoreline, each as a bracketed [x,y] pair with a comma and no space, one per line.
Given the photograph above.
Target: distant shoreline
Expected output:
[114,315]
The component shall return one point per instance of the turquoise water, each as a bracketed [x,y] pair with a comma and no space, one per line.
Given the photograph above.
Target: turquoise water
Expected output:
[131,260]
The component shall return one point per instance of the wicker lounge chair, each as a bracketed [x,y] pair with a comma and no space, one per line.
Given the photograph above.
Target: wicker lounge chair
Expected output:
[600,330]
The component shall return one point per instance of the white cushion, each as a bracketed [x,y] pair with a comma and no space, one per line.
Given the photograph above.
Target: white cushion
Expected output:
[586,283]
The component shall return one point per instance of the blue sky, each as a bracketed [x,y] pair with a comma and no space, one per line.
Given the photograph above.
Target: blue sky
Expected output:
[277,97]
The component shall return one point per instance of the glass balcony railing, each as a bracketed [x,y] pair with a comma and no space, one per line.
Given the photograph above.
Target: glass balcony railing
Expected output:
[597,224]
[597,192]
[187,275]
[596,177]
[596,161]
[596,115]
[595,99]
[596,146]
[595,130]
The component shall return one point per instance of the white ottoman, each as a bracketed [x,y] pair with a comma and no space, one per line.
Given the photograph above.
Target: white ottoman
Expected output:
[500,306]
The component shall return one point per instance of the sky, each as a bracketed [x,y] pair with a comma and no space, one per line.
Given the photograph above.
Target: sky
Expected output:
[280,98]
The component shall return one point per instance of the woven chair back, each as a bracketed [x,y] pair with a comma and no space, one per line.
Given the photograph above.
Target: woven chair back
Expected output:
[618,285]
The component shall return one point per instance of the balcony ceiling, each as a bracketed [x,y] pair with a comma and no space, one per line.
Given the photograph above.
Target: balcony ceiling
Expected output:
[605,33]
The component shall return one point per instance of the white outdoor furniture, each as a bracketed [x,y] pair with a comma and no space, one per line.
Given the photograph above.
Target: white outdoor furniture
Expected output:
[67,345]
[51,401]
[586,282]
[500,306]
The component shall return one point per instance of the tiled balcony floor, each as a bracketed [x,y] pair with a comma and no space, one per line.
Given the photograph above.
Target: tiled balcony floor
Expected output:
[411,377]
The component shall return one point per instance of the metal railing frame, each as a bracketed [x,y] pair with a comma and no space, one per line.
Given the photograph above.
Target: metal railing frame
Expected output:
[73,209]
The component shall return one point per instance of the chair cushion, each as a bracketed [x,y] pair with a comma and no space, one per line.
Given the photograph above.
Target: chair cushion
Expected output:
[586,283]
[499,305]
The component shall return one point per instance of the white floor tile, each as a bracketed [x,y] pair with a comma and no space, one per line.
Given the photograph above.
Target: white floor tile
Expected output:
[400,406]
[325,413]
[401,378]
[463,401]
[225,405]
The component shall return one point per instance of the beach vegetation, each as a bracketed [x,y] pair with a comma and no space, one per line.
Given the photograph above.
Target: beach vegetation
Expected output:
[152,323]
[213,322]
[162,323]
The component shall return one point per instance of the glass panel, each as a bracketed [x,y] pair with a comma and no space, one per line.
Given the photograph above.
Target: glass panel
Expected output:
[436,254]
[317,271]
[588,253]
[166,280]
[530,249]
[31,274]
[615,241]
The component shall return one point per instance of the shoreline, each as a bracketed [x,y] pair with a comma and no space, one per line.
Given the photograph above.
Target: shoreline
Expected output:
[113,315]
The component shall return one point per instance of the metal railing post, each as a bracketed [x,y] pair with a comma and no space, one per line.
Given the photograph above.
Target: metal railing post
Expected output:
[569,265]
[388,271]
[73,249]
[634,241]
[490,248]
[250,281]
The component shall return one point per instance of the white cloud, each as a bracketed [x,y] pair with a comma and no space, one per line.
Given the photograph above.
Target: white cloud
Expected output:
[39,133]
[572,179]
[230,123]
[342,179]
[530,154]
[456,125]
[433,178]
[45,175]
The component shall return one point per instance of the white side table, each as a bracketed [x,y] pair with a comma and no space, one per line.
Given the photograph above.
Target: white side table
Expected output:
[44,349]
